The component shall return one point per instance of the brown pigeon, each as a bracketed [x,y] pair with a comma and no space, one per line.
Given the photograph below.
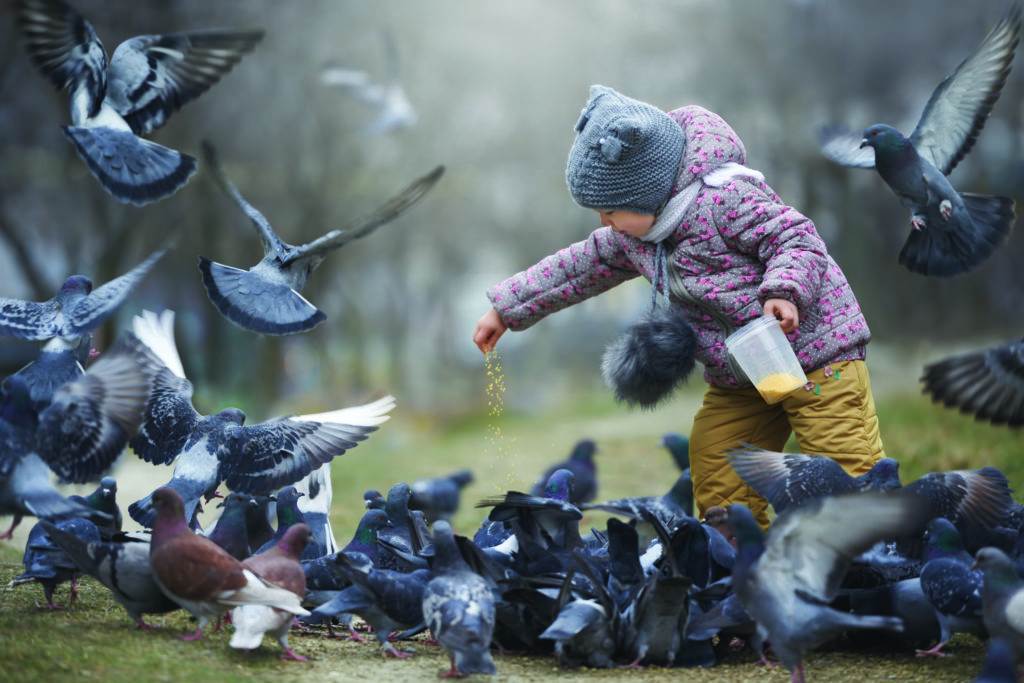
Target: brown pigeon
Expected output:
[280,565]
[201,577]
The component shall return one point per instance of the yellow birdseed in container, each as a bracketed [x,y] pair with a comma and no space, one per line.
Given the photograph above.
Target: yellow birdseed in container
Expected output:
[777,386]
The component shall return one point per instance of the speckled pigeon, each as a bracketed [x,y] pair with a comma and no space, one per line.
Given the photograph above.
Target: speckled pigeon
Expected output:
[988,384]
[1002,597]
[952,588]
[123,567]
[147,79]
[47,564]
[952,231]
[581,463]
[458,607]
[438,498]
[787,580]
[198,575]
[280,567]
[208,449]
[266,298]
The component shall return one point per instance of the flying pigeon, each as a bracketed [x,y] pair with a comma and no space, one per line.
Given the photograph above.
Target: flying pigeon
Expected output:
[77,436]
[678,447]
[458,607]
[47,564]
[988,384]
[1002,598]
[122,566]
[266,298]
[676,504]
[952,231]
[113,103]
[389,99]
[198,575]
[581,463]
[315,506]
[439,498]
[207,449]
[280,567]
[786,581]
[231,531]
[952,588]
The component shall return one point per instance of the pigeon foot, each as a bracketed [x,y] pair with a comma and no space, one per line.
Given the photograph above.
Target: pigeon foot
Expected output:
[289,655]
[354,636]
[946,209]
[9,534]
[918,222]
[143,626]
[195,635]
[392,651]
[797,675]
[933,652]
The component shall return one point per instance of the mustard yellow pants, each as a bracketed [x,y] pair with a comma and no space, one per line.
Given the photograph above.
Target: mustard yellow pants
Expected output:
[837,419]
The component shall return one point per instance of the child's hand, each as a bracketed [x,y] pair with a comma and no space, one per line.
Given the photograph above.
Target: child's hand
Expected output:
[785,312]
[488,330]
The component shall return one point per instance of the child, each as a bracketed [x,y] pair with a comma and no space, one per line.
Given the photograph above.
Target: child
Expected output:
[735,251]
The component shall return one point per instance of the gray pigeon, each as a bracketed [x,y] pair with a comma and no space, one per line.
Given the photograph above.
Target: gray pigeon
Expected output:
[439,498]
[458,607]
[266,298]
[147,79]
[1002,598]
[787,580]
[208,449]
[123,567]
[952,231]
[988,384]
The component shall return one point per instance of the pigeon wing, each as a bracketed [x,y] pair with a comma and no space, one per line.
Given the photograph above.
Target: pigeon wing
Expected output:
[271,242]
[981,496]
[790,479]
[260,458]
[957,110]
[169,420]
[153,76]
[101,303]
[30,320]
[64,46]
[988,384]
[385,213]
[841,145]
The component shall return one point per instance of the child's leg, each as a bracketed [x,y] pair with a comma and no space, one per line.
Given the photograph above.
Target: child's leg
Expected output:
[839,421]
[727,419]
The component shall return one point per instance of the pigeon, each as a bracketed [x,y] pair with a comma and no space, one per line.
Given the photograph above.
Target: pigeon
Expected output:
[788,480]
[988,384]
[122,566]
[257,524]
[786,580]
[999,666]
[1002,598]
[48,565]
[439,498]
[904,599]
[548,520]
[114,102]
[315,506]
[231,531]
[952,231]
[393,109]
[104,501]
[328,573]
[198,575]
[952,588]
[266,298]
[387,600]
[676,504]
[584,629]
[208,449]
[58,363]
[280,567]
[678,447]
[581,463]
[77,436]
[288,514]
[373,499]
[458,607]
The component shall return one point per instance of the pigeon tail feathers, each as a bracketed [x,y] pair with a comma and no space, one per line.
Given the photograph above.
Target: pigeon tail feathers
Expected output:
[945,252]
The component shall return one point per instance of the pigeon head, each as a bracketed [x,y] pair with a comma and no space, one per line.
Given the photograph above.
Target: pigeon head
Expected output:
[373,500]
[884,476]
[559,485]
[679,446]
[76,285]
[109,486]
[232,415]
[999,569]
[170,515]
[372,522]
[746,531]
[398,500]
[583,452]
[942,539]
[294,541]
[462,478]
[883,138]
[288,512]
[446,551]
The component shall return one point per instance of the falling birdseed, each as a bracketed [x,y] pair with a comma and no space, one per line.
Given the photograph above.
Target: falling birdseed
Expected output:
[500,446]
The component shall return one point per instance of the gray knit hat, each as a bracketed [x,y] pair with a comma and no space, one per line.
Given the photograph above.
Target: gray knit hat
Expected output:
[626,154]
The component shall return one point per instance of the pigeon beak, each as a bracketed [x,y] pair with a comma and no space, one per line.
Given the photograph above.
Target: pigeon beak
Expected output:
[864,143]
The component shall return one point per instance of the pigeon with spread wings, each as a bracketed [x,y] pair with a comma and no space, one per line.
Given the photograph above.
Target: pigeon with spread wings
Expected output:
[266,298]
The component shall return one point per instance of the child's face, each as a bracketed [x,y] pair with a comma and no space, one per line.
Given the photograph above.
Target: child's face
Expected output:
[627,222]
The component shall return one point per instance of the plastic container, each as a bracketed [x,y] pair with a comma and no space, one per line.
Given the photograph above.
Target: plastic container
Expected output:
[765,356]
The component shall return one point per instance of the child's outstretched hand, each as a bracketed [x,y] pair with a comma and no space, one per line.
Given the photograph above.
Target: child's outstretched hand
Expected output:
[488,331]
[784,311]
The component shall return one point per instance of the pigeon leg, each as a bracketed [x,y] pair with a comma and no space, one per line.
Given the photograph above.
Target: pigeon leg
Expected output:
[143,626]
[289,655]
[797,675]
[392,651]
[452,672]
[48,594]
[195,635]
[933,652]
[217,624]
[9,534]
[635,664]
[354,636]
[74,591]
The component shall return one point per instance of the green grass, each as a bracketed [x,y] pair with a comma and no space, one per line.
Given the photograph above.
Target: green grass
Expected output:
[95,640]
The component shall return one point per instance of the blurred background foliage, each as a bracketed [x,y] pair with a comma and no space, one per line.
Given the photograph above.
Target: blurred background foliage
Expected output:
[497,88]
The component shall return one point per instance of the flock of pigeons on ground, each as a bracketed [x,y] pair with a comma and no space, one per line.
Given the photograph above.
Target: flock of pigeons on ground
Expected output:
[846,558]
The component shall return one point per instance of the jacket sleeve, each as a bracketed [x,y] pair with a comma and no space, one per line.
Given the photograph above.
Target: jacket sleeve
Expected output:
[756,222]
[569,276]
